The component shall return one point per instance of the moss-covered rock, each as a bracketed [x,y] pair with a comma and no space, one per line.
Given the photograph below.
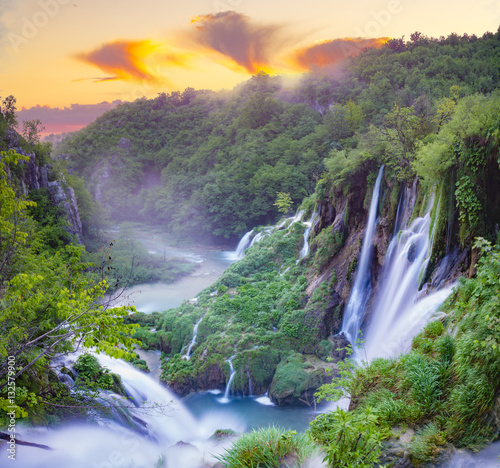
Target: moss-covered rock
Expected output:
[296,380]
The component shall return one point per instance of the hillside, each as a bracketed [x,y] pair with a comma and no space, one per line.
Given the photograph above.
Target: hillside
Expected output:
[209,164]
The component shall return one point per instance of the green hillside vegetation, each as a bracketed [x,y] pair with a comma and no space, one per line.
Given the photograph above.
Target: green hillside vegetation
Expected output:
[219,163]
[50,300]
[211,163]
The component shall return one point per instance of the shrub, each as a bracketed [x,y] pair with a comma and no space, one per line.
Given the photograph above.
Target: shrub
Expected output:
[424,447]
[349,438]
[267,448]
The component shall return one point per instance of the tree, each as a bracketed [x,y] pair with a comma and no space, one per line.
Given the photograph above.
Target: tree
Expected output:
[8,111]
[31,130]
[48,303]
[283,202]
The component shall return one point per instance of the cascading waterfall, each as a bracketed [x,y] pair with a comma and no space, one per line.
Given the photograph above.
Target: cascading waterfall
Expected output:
[397,314]
[361,289]
[249,239]
[309,226]
[152,419]
[193,340]
[225,398]
[243,244]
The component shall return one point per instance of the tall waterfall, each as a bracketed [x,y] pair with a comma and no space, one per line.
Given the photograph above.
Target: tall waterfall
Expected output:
[397,314]
[354,311]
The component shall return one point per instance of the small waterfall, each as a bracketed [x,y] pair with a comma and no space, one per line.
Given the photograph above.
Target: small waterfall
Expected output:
[225,399]
[297,217]
[248,240]
[309,226]
[249,384]
[265,400]
[256,239]
[243,244]
[193,341]
[361,289]
[397,314]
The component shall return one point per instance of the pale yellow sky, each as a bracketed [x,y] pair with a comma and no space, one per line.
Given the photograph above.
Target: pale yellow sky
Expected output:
[40,39]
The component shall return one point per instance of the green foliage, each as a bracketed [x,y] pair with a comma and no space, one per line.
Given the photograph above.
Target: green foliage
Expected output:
[91,375]
[325,246]
[268,448]
[283,202]
[49,300]
[349,439]
[342,383]
[424,447]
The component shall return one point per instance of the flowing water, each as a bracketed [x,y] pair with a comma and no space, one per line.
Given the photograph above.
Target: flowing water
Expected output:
[180,430]
[309,226]
[354,311]
[157,297]
[193,340]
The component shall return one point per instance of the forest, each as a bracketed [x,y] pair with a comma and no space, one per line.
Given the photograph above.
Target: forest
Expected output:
[209,166]
[211,163]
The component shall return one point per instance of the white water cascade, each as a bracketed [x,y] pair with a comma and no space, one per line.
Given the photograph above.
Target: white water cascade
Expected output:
[154,424]
[361,289]
[249,239]
[243,244]
[193,340]
[225,398]
[309,226]
[249,384]
[398,314]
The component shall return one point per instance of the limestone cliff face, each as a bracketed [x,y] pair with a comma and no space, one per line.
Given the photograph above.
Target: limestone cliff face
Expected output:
[43,176]
[64,196]
[345,215]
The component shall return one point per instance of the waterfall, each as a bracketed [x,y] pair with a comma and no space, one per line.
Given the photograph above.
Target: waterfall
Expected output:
[265,400]
[193,340]
[249,384]
[248,241]
[243,244]
[361,289]
[397,313]
[309,226]
[147,425]
[225,399]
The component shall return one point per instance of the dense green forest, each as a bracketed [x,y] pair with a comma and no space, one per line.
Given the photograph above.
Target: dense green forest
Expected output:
[209,164]
[212,165]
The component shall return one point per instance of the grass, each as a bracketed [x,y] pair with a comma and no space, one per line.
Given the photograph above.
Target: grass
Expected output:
[269,448]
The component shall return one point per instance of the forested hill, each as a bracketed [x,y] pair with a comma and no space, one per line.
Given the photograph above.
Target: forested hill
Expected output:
[213,162]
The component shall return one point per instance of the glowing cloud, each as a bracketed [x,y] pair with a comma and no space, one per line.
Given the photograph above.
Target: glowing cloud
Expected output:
[235,36]
[124,60]
[329,52]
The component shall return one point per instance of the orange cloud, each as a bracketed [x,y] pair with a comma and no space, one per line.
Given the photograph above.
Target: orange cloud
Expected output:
[245,43]
[329,52]
[124,60]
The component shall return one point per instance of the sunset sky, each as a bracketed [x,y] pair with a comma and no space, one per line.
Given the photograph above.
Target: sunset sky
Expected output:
[74,54]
